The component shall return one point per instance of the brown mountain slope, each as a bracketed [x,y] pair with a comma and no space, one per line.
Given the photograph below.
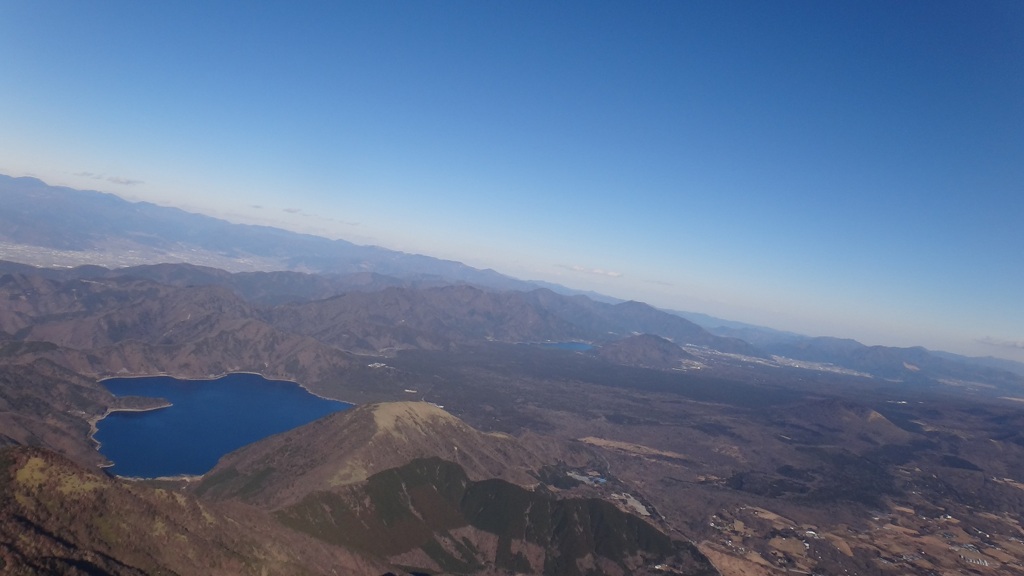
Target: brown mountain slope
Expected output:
[45,404]
[415,486]
[432,318]
[85,314]
[230,345]
[57,518]
[605,321]
[349,447]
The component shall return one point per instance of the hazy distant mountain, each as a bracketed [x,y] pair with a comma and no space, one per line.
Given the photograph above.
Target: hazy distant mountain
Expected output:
[757,335]
[986,361]
[106,229]
[708,321]
[614,321]
[559,289]
[883,361]
[910,364]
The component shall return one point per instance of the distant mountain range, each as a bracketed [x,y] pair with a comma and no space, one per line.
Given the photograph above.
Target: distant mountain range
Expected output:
[57,226]
[87,226]
[885,361]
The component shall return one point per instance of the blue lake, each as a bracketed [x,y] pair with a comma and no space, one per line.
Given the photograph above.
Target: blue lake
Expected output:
[207,419]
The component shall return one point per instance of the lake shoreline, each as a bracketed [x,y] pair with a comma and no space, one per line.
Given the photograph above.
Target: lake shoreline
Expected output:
[225,374]
[202,400]
[96,419]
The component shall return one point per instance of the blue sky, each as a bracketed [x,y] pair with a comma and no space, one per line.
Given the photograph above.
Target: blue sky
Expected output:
[833,168]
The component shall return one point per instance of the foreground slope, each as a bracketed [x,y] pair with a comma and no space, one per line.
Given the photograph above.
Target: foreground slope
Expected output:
[58,518]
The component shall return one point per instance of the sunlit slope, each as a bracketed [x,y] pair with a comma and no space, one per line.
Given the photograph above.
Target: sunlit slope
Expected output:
[349,447]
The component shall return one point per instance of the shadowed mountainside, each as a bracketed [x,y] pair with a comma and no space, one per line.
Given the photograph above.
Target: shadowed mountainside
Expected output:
[442,521]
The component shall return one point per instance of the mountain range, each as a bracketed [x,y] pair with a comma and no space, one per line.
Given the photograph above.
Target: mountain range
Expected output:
[63,223]
[57,226]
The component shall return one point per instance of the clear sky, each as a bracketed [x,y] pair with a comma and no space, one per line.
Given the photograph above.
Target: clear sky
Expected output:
[833,168]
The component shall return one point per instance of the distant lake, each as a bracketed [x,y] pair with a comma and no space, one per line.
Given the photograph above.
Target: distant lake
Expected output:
[207,419]
[576,346]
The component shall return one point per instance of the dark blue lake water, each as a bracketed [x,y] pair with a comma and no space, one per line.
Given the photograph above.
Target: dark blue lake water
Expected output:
[208,419]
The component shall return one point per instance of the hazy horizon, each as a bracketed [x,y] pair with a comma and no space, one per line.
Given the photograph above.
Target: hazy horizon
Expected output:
[840,169]
[668,309]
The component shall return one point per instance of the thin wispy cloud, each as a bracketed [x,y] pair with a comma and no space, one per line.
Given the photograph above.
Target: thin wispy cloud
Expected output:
[111,179]
[594,271]
[1016,344]
[304,214]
